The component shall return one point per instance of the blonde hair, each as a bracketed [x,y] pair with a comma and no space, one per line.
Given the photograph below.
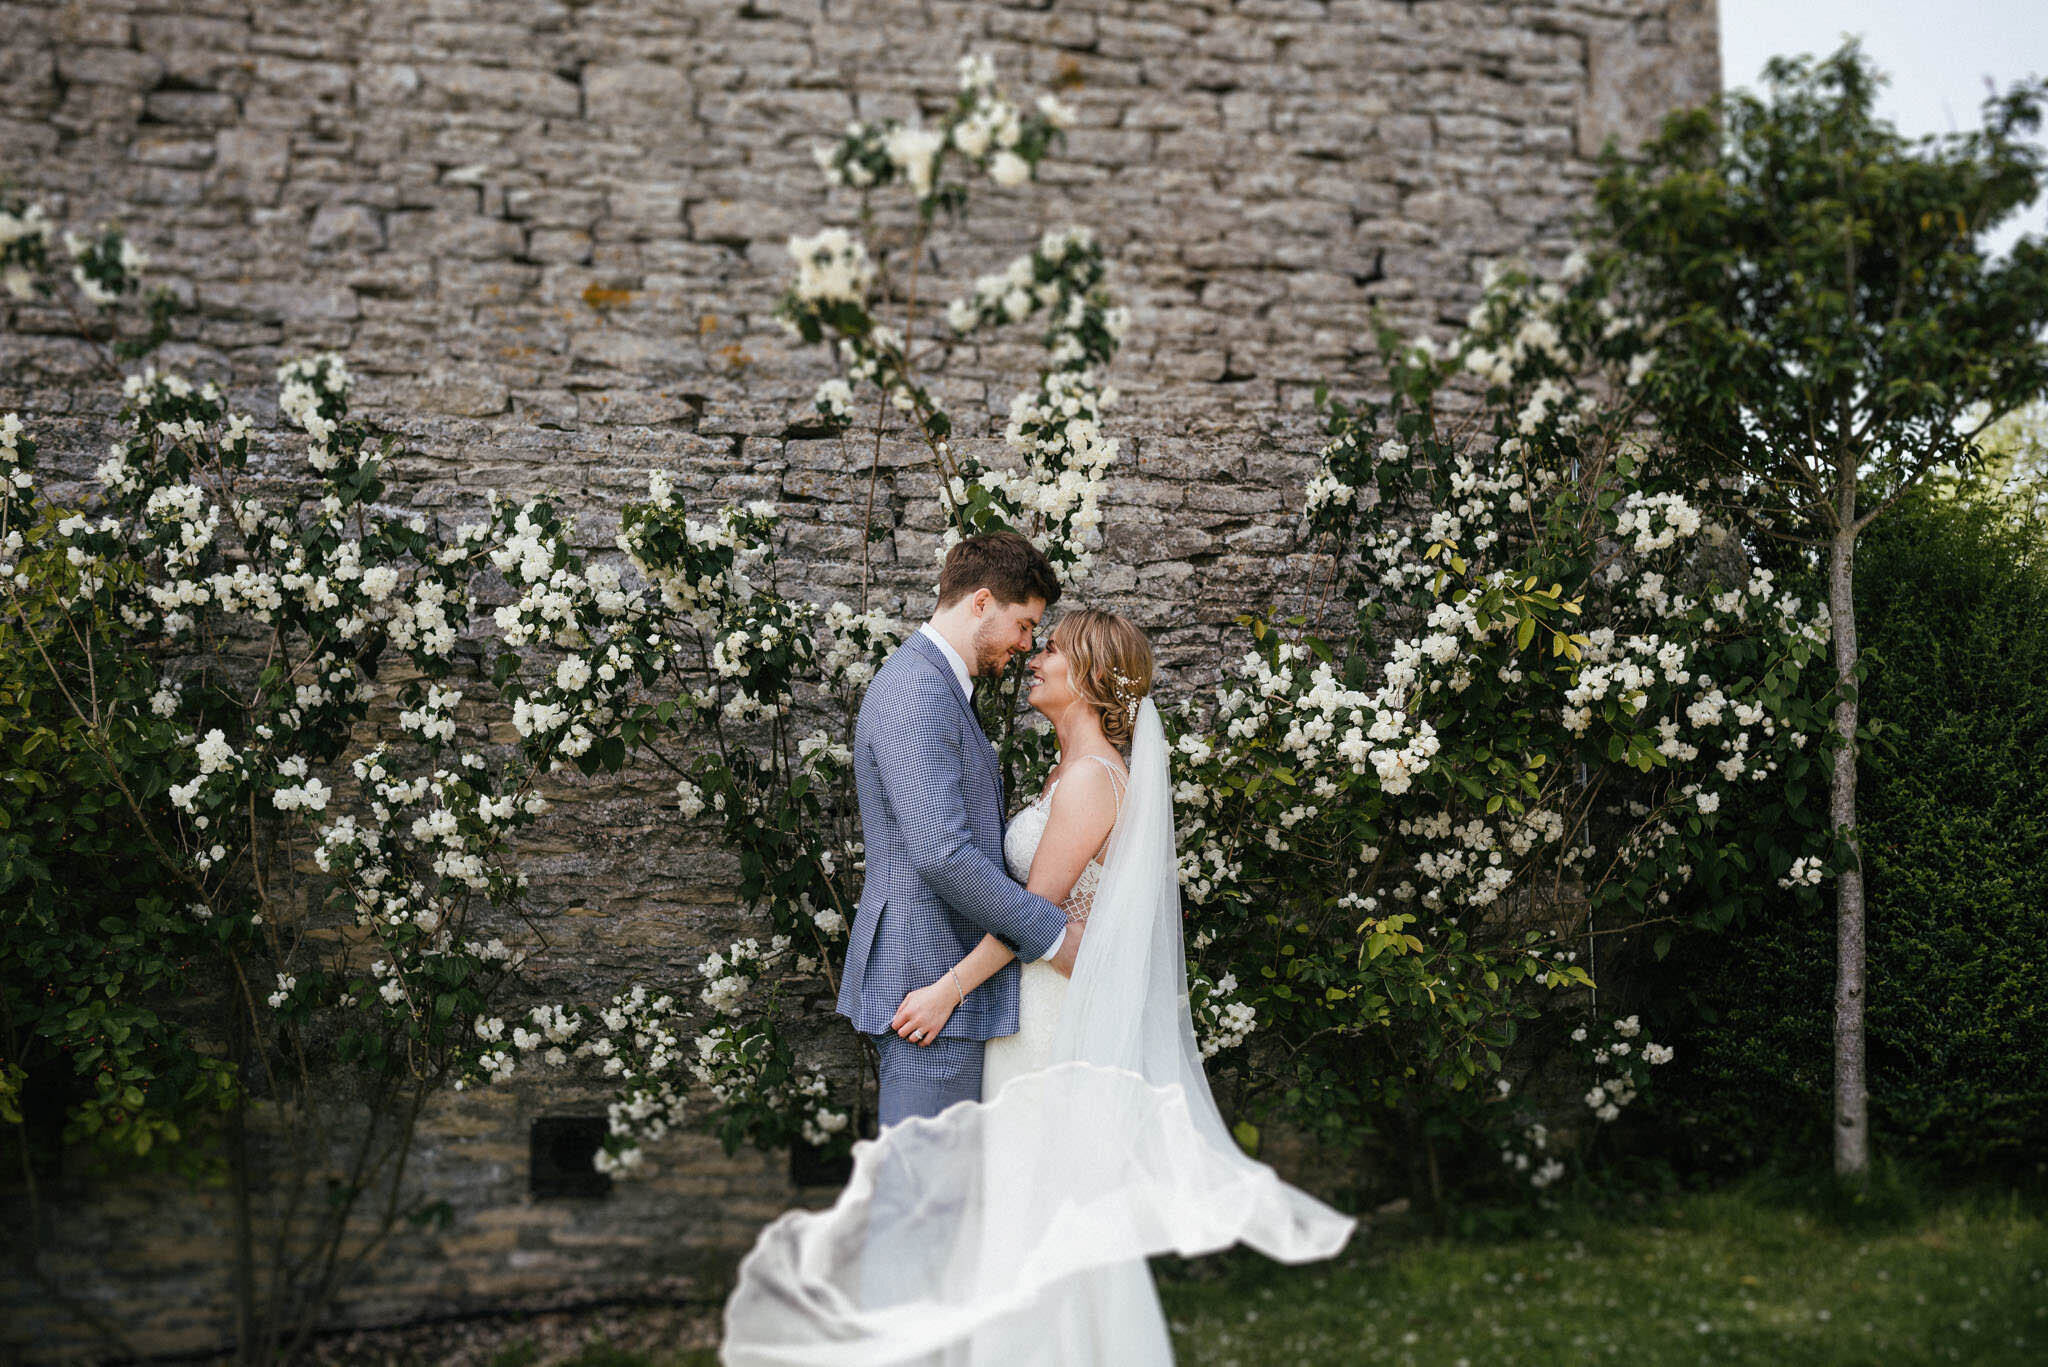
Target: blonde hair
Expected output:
[1109,664]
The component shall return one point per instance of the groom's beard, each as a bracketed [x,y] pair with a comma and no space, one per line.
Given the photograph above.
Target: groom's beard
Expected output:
[991,656]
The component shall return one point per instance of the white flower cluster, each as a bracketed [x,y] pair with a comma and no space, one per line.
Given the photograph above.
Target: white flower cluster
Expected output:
[11,439]
[1311,716]
[1055,278]
[834,400]
[434,719]
[1055,426]
[104,268]
[819,750]
[695,565]
[1629,1060]
[24,244]
[983,126]
[1222,1020]
[220,772]
[860,641]
[1516,333]
[1655,521]
[1441,574]
[1622,1064]
[312,391]
[446,821]
[821,1123]
[1806,871]
[733,1062]
[307,794]
[553,1028]
[609,628]
[1534,1161]
[1204,866]
[991,126]
[1478,860]
[727,976]
[287,983]
[832,267]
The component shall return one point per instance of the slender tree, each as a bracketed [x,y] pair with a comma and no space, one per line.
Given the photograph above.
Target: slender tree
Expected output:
[1831,327]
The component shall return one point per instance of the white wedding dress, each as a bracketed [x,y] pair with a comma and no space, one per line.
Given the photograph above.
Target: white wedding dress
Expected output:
[1041,988]
[1013,1231]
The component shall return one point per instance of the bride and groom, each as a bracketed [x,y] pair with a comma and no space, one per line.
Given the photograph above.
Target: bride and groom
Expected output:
[1036,970]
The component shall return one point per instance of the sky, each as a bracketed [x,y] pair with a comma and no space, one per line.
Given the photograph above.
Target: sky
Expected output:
[1938,53]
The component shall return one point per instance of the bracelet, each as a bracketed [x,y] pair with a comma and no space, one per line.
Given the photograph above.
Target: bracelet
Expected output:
[954,974]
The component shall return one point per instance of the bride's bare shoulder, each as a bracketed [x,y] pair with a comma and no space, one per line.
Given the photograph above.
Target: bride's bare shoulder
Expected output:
[1089,790]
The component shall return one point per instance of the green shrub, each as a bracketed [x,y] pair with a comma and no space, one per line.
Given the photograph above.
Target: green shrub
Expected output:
[1953,602]
[96,950]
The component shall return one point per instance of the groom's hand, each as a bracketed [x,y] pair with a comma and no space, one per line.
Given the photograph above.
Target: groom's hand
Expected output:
[1069,948]
[924,1013]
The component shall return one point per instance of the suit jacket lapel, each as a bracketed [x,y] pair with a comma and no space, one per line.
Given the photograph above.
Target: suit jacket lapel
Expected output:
[936,658]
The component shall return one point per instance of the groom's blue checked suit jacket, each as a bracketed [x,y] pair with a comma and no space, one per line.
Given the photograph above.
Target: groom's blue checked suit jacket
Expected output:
[931,815]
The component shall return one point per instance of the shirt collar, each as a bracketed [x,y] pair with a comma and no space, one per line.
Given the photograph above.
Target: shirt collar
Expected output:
[952,658]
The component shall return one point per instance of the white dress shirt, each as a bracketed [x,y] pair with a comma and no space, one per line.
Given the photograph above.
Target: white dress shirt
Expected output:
[966,679]
[952,658]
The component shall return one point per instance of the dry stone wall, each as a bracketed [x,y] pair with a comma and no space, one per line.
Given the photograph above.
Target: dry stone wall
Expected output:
[548,238]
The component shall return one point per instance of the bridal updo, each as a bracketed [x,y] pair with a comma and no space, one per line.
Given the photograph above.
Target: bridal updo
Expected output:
[1109,665]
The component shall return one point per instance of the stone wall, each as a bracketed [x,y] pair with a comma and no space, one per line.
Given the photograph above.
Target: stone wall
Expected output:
[548,237]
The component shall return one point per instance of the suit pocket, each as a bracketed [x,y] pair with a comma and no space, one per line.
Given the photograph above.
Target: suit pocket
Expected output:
[867,925]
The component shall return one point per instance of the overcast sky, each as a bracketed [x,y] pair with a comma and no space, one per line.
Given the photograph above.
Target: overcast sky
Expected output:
[1938,53]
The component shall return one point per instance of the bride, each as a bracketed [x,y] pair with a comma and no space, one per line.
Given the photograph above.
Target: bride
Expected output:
[1013,1232]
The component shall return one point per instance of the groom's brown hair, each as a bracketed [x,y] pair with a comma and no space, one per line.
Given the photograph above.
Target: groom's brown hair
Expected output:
[1004,563]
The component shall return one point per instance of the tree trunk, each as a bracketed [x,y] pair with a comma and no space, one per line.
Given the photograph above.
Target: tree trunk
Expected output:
[244,1271]
[1852,1093]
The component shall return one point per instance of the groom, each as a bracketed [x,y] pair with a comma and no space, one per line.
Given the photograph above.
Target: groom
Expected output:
[931,814]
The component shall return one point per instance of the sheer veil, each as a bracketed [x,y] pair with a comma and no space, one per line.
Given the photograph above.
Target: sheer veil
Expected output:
[1013,1232]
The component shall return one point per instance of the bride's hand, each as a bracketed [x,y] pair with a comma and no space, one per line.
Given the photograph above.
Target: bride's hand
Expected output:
[926,1010]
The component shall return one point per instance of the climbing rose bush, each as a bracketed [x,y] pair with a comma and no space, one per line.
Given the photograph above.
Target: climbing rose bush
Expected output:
[1538,702]
[748,693]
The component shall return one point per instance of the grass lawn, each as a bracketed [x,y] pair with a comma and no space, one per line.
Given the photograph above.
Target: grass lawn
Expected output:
[1730,1277]
[1737,1276]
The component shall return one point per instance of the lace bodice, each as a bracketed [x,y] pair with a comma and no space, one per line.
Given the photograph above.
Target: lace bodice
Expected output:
[1027,828]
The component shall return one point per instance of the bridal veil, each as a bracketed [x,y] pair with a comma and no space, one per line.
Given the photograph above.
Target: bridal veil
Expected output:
[1013,1232]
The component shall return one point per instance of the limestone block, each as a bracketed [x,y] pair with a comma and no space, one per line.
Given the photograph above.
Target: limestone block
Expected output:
[346,227]
[249,164]
[559,245]
[730,220]
[186,152]
[652,207]
[554,207]
[120,67]
[467,395]
[380,83]
[323,82]
[201,108]
[535,94]
[1633,80]
[283,301]
[636,92]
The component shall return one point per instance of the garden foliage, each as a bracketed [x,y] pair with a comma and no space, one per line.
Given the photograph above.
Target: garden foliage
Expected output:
[1955,597]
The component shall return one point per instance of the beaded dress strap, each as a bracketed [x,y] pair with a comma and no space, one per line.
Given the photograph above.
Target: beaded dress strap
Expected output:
[1081,900]
[1118,778]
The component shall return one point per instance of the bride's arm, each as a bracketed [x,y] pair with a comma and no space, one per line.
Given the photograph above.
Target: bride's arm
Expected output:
[1083,810]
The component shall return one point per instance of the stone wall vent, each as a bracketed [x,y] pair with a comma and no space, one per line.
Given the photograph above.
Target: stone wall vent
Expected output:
[559,1159]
